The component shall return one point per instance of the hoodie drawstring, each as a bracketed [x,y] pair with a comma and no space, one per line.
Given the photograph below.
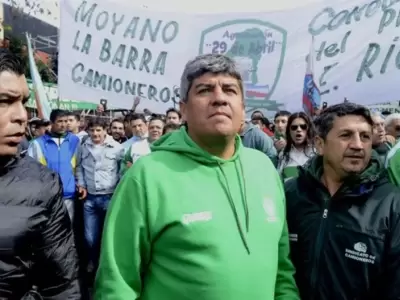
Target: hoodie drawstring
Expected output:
[244,201]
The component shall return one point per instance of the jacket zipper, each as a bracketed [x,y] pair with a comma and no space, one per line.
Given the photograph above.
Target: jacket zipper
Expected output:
[318,249]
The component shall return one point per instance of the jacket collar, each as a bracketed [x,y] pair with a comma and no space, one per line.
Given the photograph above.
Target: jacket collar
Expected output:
[9,162]
[108,142]
[48,137]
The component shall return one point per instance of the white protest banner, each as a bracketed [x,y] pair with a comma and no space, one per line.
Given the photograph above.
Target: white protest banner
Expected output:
[108,51]
[111,51]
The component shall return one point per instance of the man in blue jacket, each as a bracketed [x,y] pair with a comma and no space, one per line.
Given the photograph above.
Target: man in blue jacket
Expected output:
[253,137]
[58,150]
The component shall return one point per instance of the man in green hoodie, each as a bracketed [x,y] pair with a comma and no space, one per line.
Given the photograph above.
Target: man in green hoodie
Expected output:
[194,219]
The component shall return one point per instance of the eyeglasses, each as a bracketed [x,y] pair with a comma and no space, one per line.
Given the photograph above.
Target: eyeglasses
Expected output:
[302,126]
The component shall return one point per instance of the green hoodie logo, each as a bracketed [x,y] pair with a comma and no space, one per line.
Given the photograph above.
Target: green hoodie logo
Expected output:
[270,210]
[259,49]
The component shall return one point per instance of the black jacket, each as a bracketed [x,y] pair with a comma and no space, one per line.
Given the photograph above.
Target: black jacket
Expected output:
[345,247]
[37,248]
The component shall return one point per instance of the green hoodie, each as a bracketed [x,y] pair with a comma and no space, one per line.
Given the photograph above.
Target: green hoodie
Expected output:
[393,164]
[185,225]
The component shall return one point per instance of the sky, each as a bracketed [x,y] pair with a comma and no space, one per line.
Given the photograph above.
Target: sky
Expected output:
[199,6]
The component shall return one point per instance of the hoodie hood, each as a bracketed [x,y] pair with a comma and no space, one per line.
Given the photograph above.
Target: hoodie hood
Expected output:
[179,141]
[372,173]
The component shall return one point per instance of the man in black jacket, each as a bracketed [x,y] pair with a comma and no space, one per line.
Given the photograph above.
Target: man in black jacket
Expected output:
[344,215]
[37,249]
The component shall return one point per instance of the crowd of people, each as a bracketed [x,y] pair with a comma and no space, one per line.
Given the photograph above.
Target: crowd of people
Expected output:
[198,203]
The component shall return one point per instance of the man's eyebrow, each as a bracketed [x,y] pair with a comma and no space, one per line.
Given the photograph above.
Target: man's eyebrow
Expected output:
[213,84]
[7,95]
[230,85]
[203,85]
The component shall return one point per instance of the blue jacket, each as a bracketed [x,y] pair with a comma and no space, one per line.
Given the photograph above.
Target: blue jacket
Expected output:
[254,137]
[61,159]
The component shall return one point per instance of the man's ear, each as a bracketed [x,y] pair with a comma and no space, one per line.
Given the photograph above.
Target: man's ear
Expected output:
[319,145]
[182,109]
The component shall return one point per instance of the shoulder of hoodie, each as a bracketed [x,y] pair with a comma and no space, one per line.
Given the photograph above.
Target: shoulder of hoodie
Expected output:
[256,158]
[393,153]
[156,161]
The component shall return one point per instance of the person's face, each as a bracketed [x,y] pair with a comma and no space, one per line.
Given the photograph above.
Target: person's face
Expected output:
[394,128]
[379,134]
[258,123]
[298,131]
[97,134]
[281,123]
[82,124]
[99,108]
[348,145]
[14,93]
[173,118]
[72,124]
[214,106]
[155,129]
[24,49]
[40,130]
[60,125]
[139,128]
[117,130]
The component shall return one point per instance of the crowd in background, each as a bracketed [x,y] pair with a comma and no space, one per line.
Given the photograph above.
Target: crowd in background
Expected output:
[199,202]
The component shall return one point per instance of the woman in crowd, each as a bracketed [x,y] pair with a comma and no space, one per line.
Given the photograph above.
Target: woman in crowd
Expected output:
[299,145]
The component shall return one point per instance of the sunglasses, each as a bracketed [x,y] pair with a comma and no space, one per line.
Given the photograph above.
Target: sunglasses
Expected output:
[302,127]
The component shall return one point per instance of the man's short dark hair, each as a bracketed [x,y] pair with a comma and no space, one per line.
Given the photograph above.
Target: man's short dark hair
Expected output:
[156,118]
[97,122]
[117,120]
[11,63]
[42,123]
[170,126]
[256,112]
[325,120]
[57,113]
[282,113]
[138,117]
[174,110]
[128,118]
[263,120]
[37,123]
[76,115]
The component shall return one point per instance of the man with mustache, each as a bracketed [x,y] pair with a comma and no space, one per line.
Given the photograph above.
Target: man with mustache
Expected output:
[344,214]
[37,251]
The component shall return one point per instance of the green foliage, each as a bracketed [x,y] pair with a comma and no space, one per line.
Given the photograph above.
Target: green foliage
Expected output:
[16,45]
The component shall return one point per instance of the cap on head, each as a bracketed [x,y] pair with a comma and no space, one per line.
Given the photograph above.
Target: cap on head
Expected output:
[207,63]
